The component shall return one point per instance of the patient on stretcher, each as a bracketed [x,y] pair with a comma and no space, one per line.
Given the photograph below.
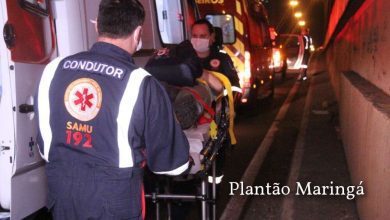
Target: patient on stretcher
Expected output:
[192,90]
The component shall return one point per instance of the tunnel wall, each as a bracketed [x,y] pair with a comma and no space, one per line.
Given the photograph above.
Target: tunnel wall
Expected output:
[358,62]
[336,13]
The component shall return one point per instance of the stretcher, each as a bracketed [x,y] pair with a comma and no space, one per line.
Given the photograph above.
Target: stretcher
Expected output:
[206,140]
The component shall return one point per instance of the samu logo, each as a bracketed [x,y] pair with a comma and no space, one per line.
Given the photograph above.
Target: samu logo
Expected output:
[83,99]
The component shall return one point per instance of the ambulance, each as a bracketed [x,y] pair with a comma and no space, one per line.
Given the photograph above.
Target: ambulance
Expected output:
[34,33]
[246,39]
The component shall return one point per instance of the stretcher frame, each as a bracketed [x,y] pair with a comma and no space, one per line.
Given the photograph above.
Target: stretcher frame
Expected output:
[208,166]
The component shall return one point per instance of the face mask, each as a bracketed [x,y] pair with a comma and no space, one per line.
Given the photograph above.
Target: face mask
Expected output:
[200,44]
[139,46]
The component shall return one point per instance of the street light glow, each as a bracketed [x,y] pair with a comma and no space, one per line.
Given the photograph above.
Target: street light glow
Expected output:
[298,14]
[302,23]
[294,3]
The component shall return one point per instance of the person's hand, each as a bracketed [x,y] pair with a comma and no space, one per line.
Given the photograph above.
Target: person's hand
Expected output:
[212,81]
[191,162]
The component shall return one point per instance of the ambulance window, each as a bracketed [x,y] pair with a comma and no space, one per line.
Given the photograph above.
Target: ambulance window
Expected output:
[39,7]
[170,21]
[225,22]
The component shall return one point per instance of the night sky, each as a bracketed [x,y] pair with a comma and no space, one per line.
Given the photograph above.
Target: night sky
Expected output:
[281,16]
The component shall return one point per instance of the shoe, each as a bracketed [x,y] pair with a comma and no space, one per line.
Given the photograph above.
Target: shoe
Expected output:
[187,109]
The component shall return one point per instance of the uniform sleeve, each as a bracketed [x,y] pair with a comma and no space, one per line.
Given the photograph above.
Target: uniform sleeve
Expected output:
[167,148]
[229,70]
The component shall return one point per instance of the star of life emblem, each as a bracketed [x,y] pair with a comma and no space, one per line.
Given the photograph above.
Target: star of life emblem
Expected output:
[83,99]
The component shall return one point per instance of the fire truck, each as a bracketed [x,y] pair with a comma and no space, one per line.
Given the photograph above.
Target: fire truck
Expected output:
[34,33]
[246,38]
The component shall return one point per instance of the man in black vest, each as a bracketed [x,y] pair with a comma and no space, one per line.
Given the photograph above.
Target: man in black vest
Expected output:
[102,119]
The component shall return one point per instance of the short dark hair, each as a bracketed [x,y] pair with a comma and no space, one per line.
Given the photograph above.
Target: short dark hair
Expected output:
[204,21]
[119,18]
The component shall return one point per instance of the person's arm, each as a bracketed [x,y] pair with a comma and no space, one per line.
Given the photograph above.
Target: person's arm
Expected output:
[212,81]
[178,75]
[229,70]
[167,148]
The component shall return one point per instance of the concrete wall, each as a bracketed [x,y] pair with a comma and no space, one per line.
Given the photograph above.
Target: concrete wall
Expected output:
[358,61]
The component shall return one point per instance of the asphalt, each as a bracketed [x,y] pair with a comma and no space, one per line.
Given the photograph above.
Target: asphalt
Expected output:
[323,160]
[315,159]
[306,149]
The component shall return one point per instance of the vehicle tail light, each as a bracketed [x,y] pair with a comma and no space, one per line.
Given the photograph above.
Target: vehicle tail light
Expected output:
[245,75]
[276,59]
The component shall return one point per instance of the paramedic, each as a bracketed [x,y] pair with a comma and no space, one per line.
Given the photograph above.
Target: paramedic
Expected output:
[203,39]
[211,57]
[101,119]
[307,42]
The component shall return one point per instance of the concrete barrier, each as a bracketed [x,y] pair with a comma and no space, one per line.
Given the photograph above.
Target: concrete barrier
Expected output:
[357,62]
[365,126]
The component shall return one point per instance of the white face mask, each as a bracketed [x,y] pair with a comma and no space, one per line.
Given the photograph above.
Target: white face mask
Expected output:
[139,46]
[200,44]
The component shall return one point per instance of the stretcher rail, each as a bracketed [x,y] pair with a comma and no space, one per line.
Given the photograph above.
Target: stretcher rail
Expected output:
[208,167]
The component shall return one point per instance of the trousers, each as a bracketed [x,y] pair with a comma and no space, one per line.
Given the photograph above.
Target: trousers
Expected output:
[86,191]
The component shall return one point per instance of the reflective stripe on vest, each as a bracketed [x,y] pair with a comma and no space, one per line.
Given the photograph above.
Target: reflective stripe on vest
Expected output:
[44,106]
[126,108]
[306,42]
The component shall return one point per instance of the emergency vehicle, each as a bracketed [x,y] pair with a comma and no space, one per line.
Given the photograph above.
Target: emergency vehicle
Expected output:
[34,33]
[291,46]
[279,59]
[246,38]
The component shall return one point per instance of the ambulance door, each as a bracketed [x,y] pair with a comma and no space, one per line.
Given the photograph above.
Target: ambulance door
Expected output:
[27,45]
[75,22]
[6,118]
[163,26]
[170,21]
[150,36]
